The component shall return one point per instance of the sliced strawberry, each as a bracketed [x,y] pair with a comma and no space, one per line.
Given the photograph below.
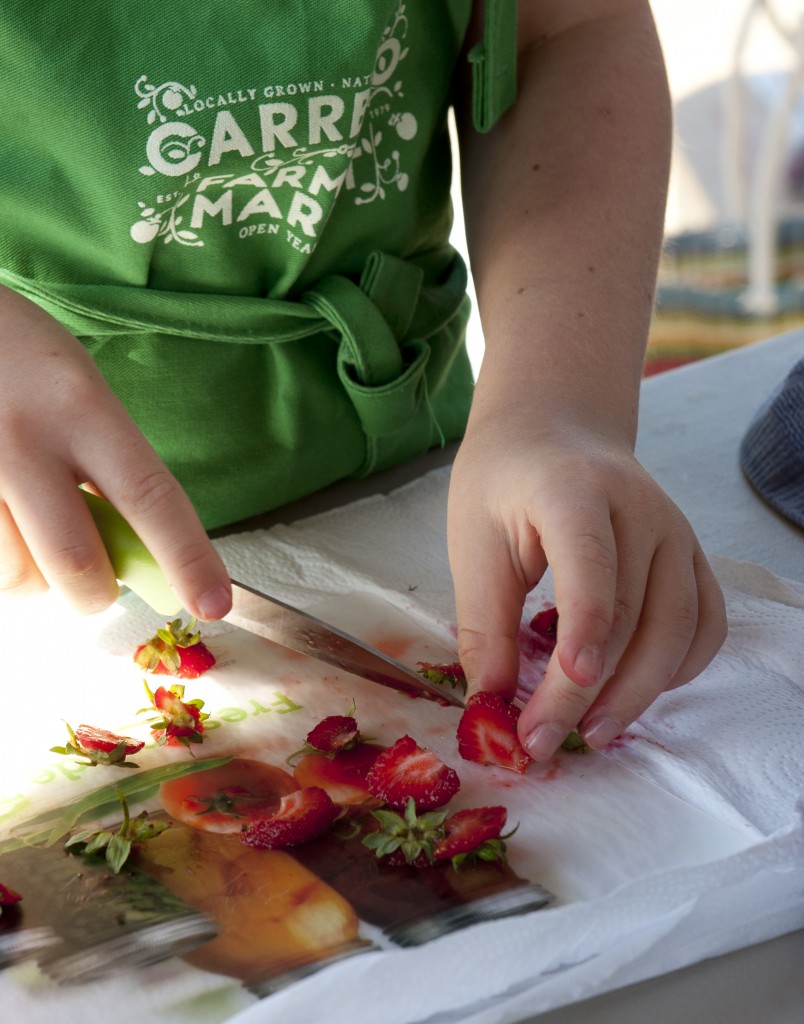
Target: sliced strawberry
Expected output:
[545,624]
[406,771]
[302,815]
[8,897]
[487,733]
[226,798]
[336,732]
[176,650]
[90,738]
[342,775]
[100,747]
[473,831]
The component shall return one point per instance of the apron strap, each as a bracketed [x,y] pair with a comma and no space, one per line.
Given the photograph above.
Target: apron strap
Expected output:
[493,62]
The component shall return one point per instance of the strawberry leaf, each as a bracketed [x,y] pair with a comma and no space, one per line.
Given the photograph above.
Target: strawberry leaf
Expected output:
[117,852]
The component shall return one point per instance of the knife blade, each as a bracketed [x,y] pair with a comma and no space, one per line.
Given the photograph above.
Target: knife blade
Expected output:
[300,631]
[259,613]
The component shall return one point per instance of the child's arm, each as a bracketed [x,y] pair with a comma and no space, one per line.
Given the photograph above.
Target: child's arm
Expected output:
[61,425]
[564,205]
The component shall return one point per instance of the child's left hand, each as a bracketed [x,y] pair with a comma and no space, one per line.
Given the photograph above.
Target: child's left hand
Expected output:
[639,608]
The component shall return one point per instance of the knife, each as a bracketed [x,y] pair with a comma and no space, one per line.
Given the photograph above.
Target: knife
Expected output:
[300,631]
[258,613]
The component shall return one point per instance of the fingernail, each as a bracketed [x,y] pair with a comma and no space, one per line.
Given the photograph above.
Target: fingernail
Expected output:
[544,741]
[589,664]
[214,604]
[601,731]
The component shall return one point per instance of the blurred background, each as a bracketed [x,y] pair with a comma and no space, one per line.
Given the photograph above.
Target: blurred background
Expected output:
[733,265]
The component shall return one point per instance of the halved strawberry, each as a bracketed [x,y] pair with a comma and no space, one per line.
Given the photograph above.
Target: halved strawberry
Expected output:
[487,733]
[8,897]
[545,624]
[406,771]
[342,774]
[302,815]
[336,732]
[181,721]
[475,831]
[176,650]
[226,798]
[91,738]
[100,747]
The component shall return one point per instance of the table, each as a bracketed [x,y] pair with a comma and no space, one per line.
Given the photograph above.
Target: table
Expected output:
[691,423]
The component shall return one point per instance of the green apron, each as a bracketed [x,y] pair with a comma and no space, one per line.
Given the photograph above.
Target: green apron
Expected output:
[243,212]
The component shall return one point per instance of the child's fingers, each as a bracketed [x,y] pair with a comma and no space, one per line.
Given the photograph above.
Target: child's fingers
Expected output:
[488,603]
[57,543]
[681,631]
[147,494]
[582,550]
[19,574]
[494,566]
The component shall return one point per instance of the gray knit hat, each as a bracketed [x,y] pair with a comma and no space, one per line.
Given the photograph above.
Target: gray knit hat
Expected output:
[772,450]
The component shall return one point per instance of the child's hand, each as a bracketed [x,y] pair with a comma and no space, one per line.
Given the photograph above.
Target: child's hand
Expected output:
[639,609]
[61,426]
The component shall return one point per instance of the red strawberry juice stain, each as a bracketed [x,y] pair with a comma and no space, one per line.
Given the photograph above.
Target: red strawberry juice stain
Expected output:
[550,773]
[622,741]
[394,646]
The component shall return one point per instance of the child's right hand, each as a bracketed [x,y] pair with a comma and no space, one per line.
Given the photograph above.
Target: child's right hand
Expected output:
[61,426]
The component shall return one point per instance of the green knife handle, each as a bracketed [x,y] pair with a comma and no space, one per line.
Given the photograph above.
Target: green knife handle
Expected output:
[133,563]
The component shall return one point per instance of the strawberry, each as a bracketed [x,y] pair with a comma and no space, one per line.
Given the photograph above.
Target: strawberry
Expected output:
[100,747]
[452,674]
[175,651]
[407,838]
[545,624]
[487,733]
[181,721]
[421,840]
[473,833]
[342,775]
[575,743]
[302,815]
[406,771]
[8,897]
[336,732]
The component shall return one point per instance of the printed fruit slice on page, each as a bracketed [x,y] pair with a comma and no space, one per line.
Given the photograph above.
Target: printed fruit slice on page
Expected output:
[342,775]
[487,733]
[227,798]
[273,914]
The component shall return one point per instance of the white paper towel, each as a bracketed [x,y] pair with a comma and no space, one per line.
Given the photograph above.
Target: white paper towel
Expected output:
[729,744]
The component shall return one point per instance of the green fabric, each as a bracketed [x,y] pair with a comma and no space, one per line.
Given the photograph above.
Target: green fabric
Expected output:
[243,213]
[494,65]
